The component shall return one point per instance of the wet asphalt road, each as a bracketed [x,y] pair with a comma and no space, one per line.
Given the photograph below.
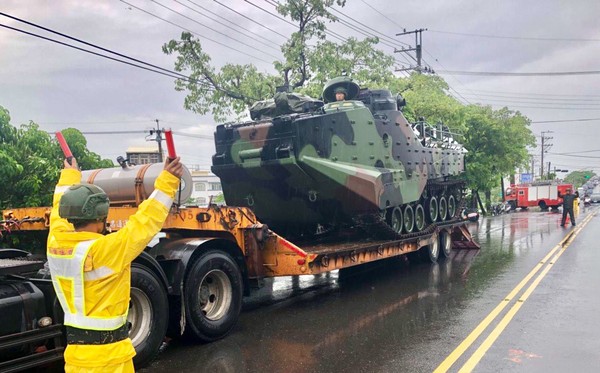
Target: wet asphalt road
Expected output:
[403,317]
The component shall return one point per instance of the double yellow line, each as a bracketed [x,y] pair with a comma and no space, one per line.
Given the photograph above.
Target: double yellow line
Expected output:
[545,263]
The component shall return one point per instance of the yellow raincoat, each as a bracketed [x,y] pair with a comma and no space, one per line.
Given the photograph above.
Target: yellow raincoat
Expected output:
[105,273]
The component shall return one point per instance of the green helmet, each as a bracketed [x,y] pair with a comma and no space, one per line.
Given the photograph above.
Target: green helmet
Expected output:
[341,90]
[84,202]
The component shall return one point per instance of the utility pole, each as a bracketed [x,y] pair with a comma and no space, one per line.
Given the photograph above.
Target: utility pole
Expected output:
[158,138]
[545,147]
[418,51]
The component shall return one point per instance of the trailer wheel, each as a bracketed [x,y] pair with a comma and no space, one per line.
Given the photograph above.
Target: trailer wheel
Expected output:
[430,252]
[213,296]
[445,244]
[148,315]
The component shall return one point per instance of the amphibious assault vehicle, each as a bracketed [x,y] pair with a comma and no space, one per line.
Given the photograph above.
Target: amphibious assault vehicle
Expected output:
[305,165]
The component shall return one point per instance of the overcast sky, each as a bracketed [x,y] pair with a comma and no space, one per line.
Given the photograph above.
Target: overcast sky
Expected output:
[59,87]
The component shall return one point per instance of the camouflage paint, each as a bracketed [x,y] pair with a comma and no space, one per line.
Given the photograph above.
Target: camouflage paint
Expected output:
[329,166]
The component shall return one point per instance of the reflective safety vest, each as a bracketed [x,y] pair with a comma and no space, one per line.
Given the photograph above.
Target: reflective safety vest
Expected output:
[67,272]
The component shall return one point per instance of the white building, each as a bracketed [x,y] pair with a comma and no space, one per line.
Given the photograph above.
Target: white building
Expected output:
[206,185]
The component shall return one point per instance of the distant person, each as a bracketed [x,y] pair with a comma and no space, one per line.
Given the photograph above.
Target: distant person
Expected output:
[340,94]
[568,202]
[576,204]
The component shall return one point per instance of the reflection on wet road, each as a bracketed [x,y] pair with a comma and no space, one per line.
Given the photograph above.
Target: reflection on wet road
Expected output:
[394,316]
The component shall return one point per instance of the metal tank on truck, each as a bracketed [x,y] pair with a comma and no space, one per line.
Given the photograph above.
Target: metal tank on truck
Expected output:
[305,165]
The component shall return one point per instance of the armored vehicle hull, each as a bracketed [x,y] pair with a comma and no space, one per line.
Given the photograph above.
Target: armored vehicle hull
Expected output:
[354,162]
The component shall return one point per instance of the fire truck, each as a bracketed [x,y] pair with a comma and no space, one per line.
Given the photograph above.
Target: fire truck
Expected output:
[544,194]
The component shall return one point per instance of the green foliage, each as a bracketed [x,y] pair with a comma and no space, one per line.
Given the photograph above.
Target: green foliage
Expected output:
[497,140]
[30,162]
[578,178]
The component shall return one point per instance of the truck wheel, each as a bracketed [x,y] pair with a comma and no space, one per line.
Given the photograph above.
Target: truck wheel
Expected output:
[543,205]
[148,314]
[513,205]
[431,252]
[445,244]
[213,296]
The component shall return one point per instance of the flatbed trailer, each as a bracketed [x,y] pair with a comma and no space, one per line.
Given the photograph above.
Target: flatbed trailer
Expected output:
[192,278]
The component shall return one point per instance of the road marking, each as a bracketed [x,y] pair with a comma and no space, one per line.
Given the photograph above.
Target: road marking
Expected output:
[468,341]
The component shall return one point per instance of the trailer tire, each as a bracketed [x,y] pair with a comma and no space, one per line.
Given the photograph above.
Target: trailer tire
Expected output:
[213,296]
[445,244]
[148,315]
[431,252]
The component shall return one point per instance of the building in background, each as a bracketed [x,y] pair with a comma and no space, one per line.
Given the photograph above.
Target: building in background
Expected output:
[143,155]
[206,185]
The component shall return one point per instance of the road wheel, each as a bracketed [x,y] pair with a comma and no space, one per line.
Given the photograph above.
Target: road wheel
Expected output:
[409,219]
[445,244]
[432,209]
[419,217]
[430,252]
[394,219]
[451,207]
[442,208]
[148,314]
[213,296]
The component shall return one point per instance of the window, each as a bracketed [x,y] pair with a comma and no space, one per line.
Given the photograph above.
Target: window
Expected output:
[201,201]
[199,187]
[214,186]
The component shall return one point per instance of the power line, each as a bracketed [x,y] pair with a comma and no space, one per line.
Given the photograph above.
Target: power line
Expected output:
[250,19]
[542,103]
[223,24]
[210,28]
[384,16]
[192,32]
[512,37]
[537,98]
[88,51]
[231,22]
[536,93]
[566,120]
[90,44]
[495,73]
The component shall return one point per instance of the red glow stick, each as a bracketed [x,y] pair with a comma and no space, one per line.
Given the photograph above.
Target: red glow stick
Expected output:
[64,146]
[170,144]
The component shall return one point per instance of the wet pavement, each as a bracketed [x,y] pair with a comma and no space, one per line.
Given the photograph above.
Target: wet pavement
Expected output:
[404,317]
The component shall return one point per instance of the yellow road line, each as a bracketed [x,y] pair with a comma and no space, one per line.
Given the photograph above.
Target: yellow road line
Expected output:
[468,341]
[487,343]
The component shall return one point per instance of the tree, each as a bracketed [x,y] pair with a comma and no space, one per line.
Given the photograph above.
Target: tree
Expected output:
[497,141]
[578,178]
[231,90]
[30,162]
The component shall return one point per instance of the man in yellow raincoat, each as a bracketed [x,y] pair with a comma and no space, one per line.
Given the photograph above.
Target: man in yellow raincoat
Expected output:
[91,272]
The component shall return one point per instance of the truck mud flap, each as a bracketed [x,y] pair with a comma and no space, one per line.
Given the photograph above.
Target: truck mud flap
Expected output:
[462,239]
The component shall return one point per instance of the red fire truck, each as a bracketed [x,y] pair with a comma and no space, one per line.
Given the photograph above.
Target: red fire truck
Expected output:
[542,194]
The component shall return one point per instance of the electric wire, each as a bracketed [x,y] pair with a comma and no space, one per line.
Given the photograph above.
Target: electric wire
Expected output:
[223,24]
[499,73]
[514,37]
[194,33]
[210,28]
[250,19]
